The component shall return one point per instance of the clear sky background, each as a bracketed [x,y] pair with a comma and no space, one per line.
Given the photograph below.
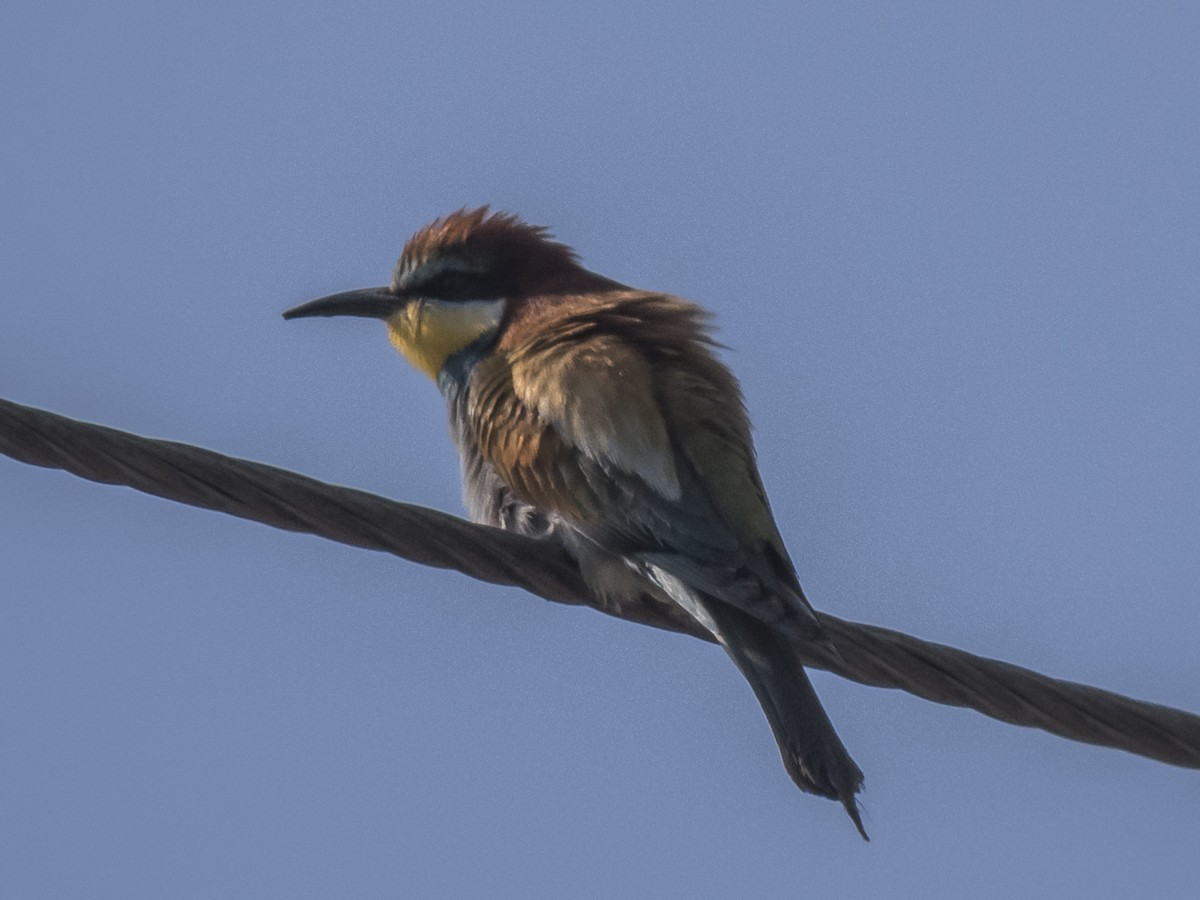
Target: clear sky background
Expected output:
[955,252]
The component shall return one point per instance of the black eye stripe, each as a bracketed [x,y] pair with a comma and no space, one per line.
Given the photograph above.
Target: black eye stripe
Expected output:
[457,285]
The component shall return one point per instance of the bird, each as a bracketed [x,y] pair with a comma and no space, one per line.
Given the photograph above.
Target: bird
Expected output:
[600,417]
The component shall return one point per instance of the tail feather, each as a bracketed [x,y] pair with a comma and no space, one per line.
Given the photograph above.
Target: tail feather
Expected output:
[812,752]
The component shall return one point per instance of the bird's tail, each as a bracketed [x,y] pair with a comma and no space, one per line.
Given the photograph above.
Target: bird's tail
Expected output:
[813,754]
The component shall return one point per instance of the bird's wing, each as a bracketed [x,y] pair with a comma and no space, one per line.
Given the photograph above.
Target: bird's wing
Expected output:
[620,418]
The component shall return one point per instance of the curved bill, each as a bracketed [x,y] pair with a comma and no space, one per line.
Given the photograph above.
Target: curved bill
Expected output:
[373,303]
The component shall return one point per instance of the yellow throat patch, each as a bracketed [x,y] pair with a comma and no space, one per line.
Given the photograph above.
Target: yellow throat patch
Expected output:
[428,332]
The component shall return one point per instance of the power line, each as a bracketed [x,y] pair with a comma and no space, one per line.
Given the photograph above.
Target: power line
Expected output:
[864,653]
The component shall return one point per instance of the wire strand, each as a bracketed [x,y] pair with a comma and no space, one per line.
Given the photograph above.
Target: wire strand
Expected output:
[863,653]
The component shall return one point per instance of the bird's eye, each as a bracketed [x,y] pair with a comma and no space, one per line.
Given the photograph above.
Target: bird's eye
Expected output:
[455,286]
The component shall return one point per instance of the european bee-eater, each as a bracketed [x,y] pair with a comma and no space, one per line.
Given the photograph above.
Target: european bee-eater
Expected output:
[597,415]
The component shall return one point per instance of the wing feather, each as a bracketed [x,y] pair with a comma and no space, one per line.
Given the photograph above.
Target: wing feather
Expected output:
[620,418]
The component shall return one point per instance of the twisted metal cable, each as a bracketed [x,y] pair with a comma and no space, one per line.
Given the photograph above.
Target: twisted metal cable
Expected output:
[864,653]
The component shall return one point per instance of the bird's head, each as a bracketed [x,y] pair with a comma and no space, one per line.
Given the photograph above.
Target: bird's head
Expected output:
[455,283]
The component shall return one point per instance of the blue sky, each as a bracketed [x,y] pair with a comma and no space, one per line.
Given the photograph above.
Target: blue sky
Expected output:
[953,250]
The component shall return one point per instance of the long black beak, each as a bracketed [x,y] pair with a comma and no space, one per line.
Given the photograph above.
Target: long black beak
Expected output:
[373,303]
